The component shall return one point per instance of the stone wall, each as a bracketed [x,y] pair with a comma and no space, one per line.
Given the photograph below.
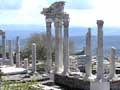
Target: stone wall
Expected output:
[73,83]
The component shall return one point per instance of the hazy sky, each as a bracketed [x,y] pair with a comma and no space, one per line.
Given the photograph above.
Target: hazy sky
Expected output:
[82,12]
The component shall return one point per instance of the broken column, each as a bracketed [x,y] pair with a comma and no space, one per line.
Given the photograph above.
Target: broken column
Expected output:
[49,45]
[88,54]
[112,62]
[66,45]
[34,58]
[58,46]
[10,52]
[3,47]
[100,57]
[18,63]
[26,63]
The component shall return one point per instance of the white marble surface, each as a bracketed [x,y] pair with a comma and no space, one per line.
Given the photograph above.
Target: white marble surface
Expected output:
[12,70]
[99,85]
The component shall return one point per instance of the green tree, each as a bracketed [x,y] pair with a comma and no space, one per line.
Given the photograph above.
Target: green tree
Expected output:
[40,40]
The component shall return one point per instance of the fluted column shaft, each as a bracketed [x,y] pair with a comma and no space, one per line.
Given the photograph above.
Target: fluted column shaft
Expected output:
[49,46]
[66,45]
[3,47]
[58,46]
[100,57]
[34,58]
[26,63]
[112,62]
[18,63]
[10,52]
[88,54]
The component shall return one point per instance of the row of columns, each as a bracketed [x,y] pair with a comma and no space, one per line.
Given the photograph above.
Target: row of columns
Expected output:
[62,61]
[61,47]
[10,49]
[18,62]
[100,55]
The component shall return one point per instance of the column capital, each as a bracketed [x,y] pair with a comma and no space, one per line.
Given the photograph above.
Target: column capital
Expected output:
[100,22]
[58,20]
[48,20]
[66,16]
[66,23]
[89,28]
[3,34]
[113,49]
[66,20]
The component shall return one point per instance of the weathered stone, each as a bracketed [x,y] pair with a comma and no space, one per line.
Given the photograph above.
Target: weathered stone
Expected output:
[112,62]
[66,45]
[10,52]
[34,58]
[58,46]
[3,47]
[26,64]
[88,54]
[18,63]
[100,69]
[55,9]
[100,85]
[49,46]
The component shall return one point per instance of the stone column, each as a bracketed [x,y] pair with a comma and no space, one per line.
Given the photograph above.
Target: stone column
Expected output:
[58,46]
[26,63]
[34,58]
[10,52]
[18,63]
[3,47]
[112,62]
[100,57]
[99,85]
[88,54]
[49,46]
[66,45]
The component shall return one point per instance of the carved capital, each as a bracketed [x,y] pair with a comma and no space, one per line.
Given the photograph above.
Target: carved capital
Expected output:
[17,38]
[48,20]
[58,23]
[66,20]
[100,23]
[66,23]
[3,34]
[48,24]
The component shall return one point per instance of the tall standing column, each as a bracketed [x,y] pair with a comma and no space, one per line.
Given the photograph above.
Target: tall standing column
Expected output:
[49,46]
[17,52]
[100,57]
[66,45]
[58,46]
[3,47]
[10,52]
[88,54]
[34,58]
[100,83]
[112,62]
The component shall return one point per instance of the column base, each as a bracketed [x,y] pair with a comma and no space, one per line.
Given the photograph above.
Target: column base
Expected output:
[59,71]
[90,78]
[115,77]
[99,85]
[65,73]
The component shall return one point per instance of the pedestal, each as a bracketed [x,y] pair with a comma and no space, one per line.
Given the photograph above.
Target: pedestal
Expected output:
[97,85]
